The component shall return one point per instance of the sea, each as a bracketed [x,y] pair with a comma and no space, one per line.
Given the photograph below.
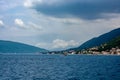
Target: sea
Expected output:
[59,67]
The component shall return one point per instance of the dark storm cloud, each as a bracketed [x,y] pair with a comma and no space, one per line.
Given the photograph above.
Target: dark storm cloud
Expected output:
[86,9]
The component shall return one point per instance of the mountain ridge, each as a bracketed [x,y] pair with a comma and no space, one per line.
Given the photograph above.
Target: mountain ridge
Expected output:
[17,47]
[101,39]
[97,41]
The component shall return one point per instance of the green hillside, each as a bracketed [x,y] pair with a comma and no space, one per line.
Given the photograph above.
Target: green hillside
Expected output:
[97,41]
[15,47]
[112,44]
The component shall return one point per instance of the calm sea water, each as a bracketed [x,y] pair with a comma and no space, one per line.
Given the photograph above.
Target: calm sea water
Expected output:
[59,67]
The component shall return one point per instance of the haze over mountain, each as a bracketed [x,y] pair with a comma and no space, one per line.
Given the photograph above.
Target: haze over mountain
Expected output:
[15,47]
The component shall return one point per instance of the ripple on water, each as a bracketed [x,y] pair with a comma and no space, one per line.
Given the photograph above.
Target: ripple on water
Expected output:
[56,67]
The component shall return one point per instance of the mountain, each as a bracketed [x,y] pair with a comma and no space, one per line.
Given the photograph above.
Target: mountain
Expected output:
[114,43]
[15,47]
[100,40]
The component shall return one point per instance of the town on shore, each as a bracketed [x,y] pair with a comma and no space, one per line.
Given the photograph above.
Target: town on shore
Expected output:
[93,50]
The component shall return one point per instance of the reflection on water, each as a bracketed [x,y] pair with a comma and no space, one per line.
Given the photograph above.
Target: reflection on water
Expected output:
[59,67]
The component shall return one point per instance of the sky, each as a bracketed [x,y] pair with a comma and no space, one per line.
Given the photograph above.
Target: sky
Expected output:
[57,24]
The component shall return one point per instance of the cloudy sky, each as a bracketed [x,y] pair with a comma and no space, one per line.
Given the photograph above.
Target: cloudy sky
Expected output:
[57,24]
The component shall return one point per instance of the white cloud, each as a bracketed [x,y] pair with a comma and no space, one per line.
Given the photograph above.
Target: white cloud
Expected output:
[19,22]
[58,43]
[29,3]
[67,20]
[30,25]
[1,23]
[43,45]
[34,26]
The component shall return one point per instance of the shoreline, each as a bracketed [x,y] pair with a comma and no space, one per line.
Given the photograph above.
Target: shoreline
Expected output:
[57,54]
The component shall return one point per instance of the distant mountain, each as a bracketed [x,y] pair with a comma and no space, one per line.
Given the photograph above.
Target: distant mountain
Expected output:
[15,47]
[100,40]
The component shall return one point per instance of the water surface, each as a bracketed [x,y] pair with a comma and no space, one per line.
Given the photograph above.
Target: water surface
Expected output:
[59,67]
